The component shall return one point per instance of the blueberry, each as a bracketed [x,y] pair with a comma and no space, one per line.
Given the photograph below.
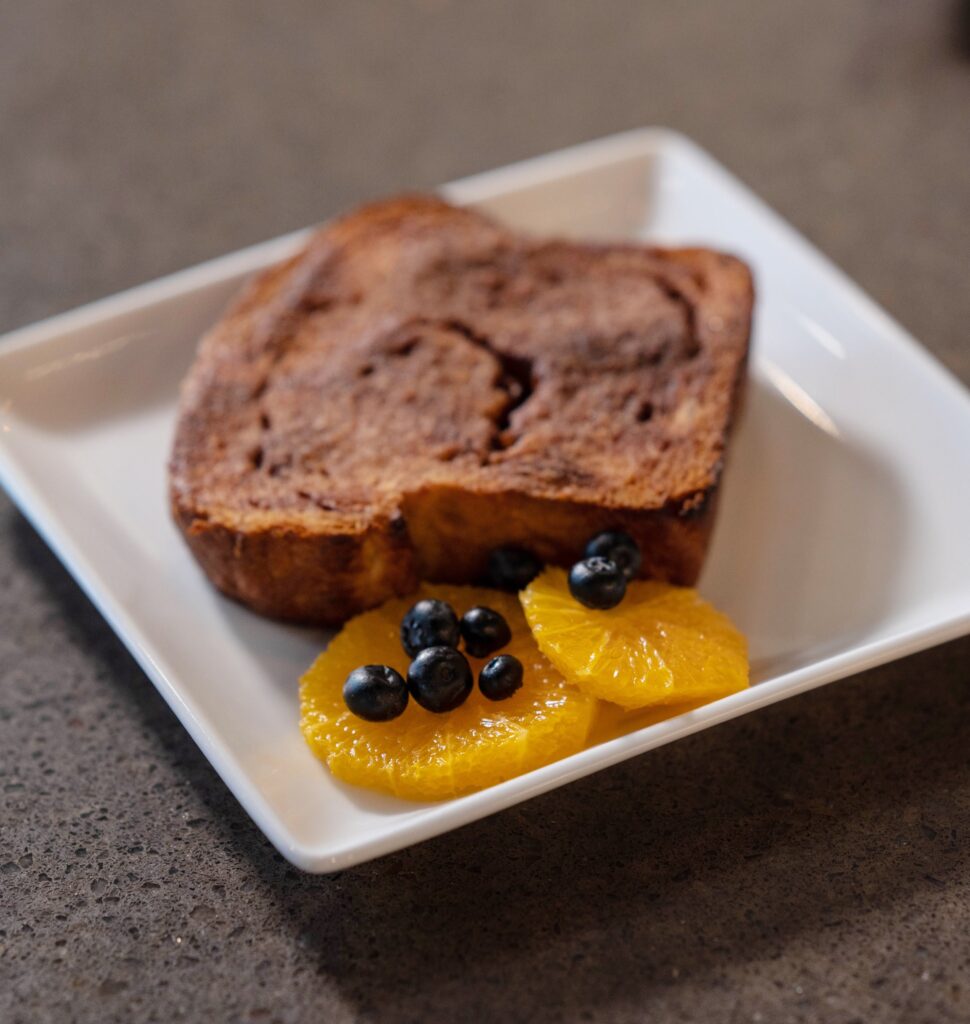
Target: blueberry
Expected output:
[429,624]
[484,631]
[376,693]
[440,679]
[500,677]
[618,547]
[512,568]
[597,583]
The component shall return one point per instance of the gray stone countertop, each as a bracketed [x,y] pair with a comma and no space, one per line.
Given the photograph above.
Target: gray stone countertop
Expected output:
[807,863]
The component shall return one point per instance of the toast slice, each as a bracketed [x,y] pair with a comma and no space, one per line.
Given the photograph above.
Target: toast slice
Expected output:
[420,385]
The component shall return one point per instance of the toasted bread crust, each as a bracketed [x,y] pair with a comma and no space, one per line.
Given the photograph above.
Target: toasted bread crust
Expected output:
[288,572]
[420,385]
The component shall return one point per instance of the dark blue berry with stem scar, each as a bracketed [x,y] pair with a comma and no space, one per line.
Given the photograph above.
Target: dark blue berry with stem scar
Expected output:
[376,693]
[429,623]
[512,568]
[619,547]
[484,631]
[440,679]
[597,583]
[500,677]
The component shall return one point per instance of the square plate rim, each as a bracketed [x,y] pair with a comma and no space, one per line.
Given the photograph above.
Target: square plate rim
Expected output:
[438,818]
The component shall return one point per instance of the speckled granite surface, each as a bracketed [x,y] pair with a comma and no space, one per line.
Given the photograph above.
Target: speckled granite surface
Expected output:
[808,863]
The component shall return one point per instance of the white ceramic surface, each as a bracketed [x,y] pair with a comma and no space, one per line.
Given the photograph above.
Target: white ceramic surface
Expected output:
[842,541]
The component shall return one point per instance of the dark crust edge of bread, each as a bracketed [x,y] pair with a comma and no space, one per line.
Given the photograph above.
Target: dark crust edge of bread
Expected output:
[290,573]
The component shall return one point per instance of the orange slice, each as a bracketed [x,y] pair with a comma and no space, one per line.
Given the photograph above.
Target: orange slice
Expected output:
[661,645]
[424,756]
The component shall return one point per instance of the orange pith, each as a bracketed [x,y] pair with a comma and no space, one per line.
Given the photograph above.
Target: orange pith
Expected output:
[661,645]
[424,756]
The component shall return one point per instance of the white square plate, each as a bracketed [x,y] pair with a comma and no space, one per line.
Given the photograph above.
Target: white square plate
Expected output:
[842,541]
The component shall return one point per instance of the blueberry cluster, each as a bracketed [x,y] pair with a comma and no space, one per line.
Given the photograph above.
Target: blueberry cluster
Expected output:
[440,677]
[610,561]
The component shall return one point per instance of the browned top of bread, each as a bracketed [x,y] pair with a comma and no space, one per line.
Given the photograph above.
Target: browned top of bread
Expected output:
[413,344]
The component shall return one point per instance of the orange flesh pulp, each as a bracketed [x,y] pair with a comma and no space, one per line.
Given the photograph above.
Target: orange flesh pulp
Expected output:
[589,676]
[662,645]
[424,756]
